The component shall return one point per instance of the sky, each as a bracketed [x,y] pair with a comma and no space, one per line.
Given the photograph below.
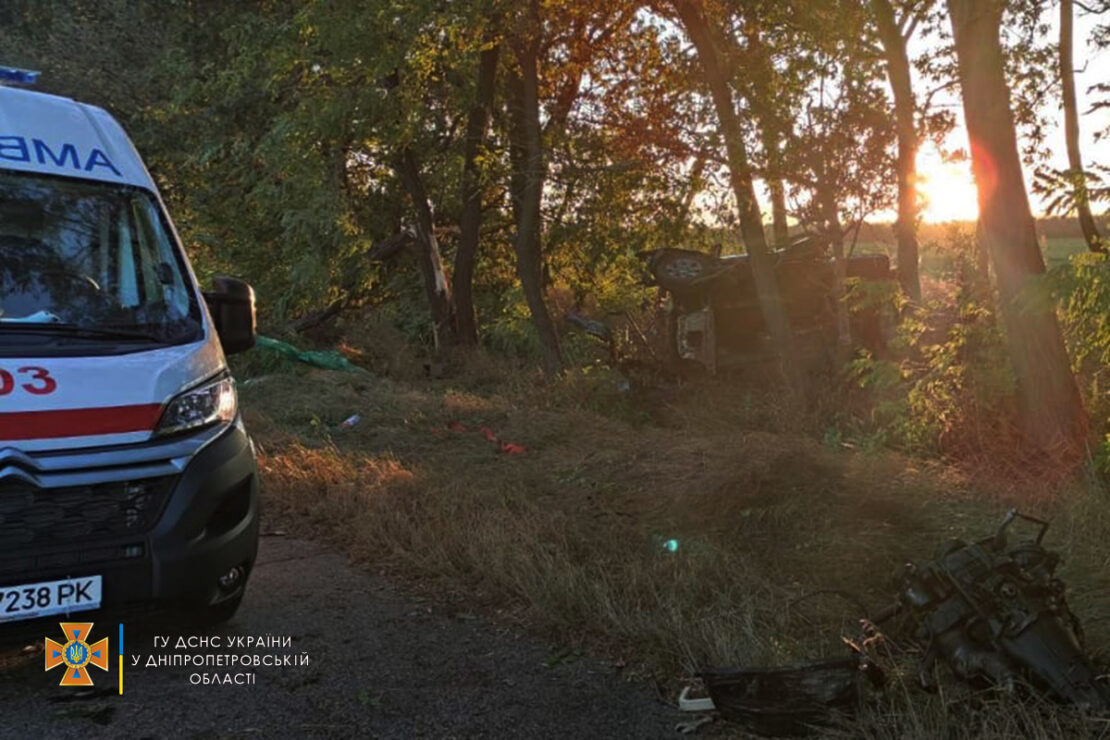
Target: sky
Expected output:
[949,185]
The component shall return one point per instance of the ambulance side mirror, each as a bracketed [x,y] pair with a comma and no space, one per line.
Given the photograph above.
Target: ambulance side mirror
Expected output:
[231,304]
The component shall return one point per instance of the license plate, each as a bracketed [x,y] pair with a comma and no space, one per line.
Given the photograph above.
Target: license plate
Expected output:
[33,600]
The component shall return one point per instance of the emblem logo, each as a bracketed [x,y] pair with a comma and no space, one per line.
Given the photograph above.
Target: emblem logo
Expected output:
[76,654]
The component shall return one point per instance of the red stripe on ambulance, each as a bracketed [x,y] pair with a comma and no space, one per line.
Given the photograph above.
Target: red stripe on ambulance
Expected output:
[79,422]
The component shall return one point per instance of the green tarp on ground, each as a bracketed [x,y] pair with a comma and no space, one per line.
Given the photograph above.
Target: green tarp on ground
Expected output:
[329,359]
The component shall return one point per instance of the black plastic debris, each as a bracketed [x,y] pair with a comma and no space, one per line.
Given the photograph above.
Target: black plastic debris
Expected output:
[788,700]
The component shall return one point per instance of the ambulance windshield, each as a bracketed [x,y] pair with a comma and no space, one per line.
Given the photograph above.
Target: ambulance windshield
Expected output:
[91,256]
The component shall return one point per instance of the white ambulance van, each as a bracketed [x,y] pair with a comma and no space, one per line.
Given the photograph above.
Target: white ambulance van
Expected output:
[127,477]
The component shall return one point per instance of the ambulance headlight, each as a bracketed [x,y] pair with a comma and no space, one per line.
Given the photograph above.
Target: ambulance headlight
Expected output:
[211,403]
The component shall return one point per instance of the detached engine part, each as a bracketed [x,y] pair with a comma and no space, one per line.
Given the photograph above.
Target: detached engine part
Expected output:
[996,611]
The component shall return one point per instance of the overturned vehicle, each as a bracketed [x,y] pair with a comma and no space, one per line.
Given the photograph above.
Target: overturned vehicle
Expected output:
[714,318]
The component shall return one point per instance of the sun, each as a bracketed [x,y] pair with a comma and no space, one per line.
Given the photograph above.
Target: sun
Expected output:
[947,189]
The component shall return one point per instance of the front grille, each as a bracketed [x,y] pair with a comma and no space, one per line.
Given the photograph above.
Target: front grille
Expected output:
[32,517]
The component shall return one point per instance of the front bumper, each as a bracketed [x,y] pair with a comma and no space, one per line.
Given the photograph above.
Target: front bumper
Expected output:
[206,524]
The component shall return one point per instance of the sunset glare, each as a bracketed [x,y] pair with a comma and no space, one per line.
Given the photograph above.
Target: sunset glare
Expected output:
[947,189]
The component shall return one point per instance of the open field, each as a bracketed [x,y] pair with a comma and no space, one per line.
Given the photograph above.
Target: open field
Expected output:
[1056,250]
[569,539]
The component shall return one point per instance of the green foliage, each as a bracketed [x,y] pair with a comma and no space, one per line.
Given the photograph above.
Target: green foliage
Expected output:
[252,365]
[949,387]
[275,128]
[1063,190]
[1082,287]
[510,331]
[1101,458]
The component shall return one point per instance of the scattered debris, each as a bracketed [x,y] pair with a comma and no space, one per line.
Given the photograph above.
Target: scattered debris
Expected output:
[993,611]
[592,327]
[788,700]
[686,703]
[509,448]
[350,422]
[691,726]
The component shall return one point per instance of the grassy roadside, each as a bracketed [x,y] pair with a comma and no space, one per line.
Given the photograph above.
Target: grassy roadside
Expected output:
[572,538]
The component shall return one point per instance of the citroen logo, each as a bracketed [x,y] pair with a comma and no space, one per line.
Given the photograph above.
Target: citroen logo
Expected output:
[17,465]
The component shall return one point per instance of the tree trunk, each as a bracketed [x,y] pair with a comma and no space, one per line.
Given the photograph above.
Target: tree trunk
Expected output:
[740,178]
[436,285]
[695,186]
[762,104]
[898,71]
[470,221]
[840,276]
[529,175]
[1071,132]
[1051,409]
[780,229]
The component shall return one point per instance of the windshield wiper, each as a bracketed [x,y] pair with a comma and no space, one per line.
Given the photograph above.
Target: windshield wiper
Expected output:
[76,330]
[38,317]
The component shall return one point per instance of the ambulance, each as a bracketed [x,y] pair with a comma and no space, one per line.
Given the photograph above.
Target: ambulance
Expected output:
[127,479]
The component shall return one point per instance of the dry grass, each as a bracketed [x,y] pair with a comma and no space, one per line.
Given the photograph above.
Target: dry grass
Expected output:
[567,538]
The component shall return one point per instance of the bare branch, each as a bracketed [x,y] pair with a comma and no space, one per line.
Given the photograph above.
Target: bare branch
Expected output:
[915,13]
[939,88]
[1103,6]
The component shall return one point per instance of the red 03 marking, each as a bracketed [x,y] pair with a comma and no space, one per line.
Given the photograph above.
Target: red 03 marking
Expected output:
[34,380]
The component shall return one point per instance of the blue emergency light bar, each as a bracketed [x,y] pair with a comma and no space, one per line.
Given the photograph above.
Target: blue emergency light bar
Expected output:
[18,76]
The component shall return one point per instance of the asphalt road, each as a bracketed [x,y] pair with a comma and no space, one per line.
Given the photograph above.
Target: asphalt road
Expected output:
[379,666]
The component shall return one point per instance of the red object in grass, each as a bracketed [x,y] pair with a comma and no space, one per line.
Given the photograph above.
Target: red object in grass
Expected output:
[506,447]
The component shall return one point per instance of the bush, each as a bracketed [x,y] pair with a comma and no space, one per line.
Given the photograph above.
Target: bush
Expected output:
[1082,289]
[948,387]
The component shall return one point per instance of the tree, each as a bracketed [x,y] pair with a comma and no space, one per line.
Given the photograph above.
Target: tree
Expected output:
[1052,413]
[554,46]
[528,174]
[841,162]
[470,221]
[1075,172]
[893,40]
[707,43]
[437,287]
[763,95]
